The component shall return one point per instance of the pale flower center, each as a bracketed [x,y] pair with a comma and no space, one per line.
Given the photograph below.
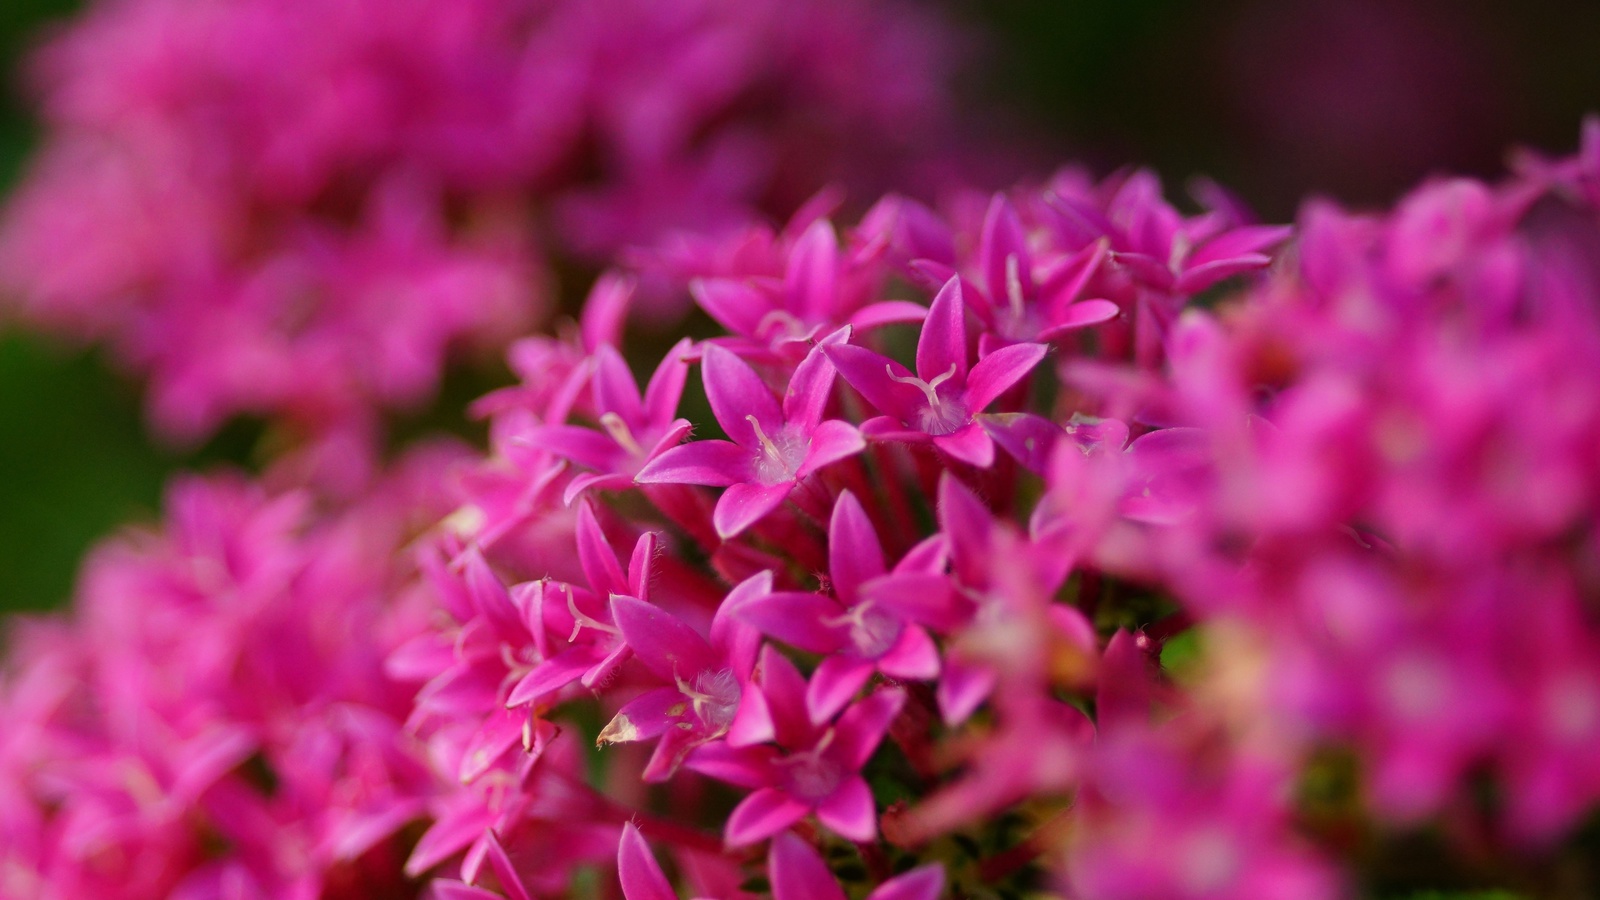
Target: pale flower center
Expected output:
[812,776]
[942,415]
[714,697]
[780,457]
[872,631]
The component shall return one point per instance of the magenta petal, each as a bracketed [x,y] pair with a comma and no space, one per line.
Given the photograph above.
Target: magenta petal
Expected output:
[970,444]
[919,597]
[962,689]
[854,553]
[615,391]
[997,372]
[446,889]
[943,344]
[736,640]
[809,387]
[889,312]
[913,657]
[811,280]
[595,556]
[743,505]
[762,815]
[831,441]
[736,392]
[752,721]
[849,811]
[504,872]
[1081,315]
[551,675]
[711,463]
[450,834]
[642,718]
[785,690]
[797,871]
[921,883]
[736,305]
[588,480]
[637,869]
[1197,279]
[497,735]
[667,647]
[797,619]
[1002,239]
[870,374]
[675,745]
[888,428]
[584,446]
[863,726]
[833,685]
[661,396]
[746,767]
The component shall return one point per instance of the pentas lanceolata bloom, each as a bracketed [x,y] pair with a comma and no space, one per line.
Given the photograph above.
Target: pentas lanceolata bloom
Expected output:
[297,209]
[974,556]
[216,719]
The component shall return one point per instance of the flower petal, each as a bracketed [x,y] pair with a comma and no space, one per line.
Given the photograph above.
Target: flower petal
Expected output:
[711,463]
[970,444]
[743,505]
[849,811]
[761,815]
[831,441]
[922,883]
[797,619]
[810,386]
[667,647]
[811,280]
[833,685]
[797,871]
[943,343]
[737,392]
[997,372]
[637,869]
[863,726]
[873,376]
[854,552]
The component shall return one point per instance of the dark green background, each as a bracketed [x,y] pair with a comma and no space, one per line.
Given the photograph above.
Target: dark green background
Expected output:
[1186,87]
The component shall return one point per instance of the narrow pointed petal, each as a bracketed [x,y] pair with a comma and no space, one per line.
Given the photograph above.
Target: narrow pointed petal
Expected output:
[943,344]
[639,565]
[445,889]
[970,444]
[888,428]
[786,698]
[863,726]
[501,732]
[642,718]
[809,389]
[962,689]
[743,505]
[674,747]
[606,309]
[831,441]
[762,815]
[1027,438]
[746,767]
[1002,238]
[736,391]
[504,872]
[615,391]
[1198,278]
[752,722]
[667,647]
[797,619]
[921,883]
[889,312]
[551,675]
[798,872]
[737,640]
[813,273]
[735,305]
[873,376]
[711,463]
[584,446]
[997,372]
[833,685]
[854,553]
[661,396]
[490,597]
[913,657]
[457,827]
[637,869]
[595,556]
[849,811]
[1081,315]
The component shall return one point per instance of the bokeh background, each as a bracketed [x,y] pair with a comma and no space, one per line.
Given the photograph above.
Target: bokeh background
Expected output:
[1277,99]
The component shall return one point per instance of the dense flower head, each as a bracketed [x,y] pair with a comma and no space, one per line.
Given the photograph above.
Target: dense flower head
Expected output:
[215,719]
[297,210]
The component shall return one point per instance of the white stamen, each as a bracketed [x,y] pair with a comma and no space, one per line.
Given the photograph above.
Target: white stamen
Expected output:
[1014,285]
[620,433]
[929,388]
[582,620]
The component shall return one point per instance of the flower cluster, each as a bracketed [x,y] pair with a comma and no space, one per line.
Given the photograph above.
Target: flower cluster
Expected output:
[296,208]
[215,720]
[831,619]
